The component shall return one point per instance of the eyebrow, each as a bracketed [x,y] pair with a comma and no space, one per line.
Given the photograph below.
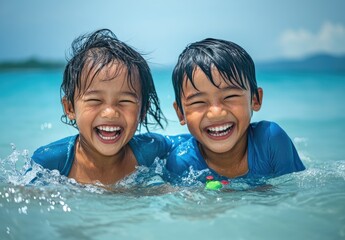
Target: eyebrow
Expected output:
[91,92]
[194,95]
[198,94]
[133,94]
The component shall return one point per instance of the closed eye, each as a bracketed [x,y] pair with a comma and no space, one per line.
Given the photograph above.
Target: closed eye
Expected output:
[92,100]
[231,96]
[196,103]
[128,101]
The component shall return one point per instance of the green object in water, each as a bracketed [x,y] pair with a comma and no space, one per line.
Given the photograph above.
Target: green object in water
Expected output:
[213,185]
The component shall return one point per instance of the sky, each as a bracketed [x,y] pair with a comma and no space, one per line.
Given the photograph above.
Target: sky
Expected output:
[161,29]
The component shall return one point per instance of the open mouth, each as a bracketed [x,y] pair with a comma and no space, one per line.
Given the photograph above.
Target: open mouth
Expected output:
[220,131]
[108,133]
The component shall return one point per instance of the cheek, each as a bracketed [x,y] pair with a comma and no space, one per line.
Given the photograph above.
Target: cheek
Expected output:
[132,113]
[193,117]
[84,112]
[243,112]
[243,104]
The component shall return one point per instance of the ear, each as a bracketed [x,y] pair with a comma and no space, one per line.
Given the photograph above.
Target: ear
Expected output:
[179,114]
[256,103]
[68,108]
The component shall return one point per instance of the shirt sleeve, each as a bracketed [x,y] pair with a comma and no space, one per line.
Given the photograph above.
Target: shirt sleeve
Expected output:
[282,152]
[58,155]
[185,157]
[149,146]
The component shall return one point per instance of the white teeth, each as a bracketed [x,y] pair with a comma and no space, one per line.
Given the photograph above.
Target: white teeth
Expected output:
[219,134]
[108,138]
[108,128]
[115,131]
[220,128]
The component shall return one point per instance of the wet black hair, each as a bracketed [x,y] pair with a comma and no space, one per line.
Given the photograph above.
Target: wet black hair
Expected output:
[96,51]
[233,63]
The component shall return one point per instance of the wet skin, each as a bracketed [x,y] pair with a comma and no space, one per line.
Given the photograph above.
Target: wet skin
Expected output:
[218,117]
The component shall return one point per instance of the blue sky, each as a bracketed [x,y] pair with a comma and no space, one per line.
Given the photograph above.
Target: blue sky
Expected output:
[267,29]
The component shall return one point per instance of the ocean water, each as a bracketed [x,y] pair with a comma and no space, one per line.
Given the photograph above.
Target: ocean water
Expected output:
[304,205]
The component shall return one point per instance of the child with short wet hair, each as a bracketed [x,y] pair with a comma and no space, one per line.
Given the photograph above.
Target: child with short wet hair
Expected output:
[215,95]
[107,94]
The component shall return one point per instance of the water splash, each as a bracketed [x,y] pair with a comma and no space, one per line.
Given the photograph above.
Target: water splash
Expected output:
[62,206]
[14,166]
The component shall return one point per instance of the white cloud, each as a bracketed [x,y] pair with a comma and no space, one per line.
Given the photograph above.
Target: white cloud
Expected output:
[330,38]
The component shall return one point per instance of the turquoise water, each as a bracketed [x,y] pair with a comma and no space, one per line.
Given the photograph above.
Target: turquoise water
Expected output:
[305,205]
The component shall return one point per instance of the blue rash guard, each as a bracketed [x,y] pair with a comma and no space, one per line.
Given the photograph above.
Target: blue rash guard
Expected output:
[271,153]
[147,147]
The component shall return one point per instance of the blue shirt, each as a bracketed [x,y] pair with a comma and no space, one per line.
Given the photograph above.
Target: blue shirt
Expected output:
[271,153]
[147,147]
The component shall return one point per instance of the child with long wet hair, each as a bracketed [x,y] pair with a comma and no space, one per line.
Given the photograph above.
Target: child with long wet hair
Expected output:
[98,50]
[107,93]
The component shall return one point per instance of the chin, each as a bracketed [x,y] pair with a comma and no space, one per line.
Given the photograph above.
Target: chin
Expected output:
[218,147]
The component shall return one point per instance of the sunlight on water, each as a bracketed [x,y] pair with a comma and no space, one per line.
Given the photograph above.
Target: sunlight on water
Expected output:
[63,207]
[41,204]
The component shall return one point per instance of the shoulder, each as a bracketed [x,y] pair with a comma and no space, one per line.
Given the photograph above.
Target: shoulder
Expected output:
[156,138]
[146,137]
[271,145]
[184,156]
[56,154]
[148,146]
[146,141]
[268,135]
[265,126]
[266,130]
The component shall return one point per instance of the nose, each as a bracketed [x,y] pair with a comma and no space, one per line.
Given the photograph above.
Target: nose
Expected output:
[216,111]
[110,112]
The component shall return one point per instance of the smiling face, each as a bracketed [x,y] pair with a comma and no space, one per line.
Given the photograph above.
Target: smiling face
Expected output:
[107,110]
[218,117]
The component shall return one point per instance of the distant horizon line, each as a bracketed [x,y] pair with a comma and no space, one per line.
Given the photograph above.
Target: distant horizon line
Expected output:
[319,60]
[52,60]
